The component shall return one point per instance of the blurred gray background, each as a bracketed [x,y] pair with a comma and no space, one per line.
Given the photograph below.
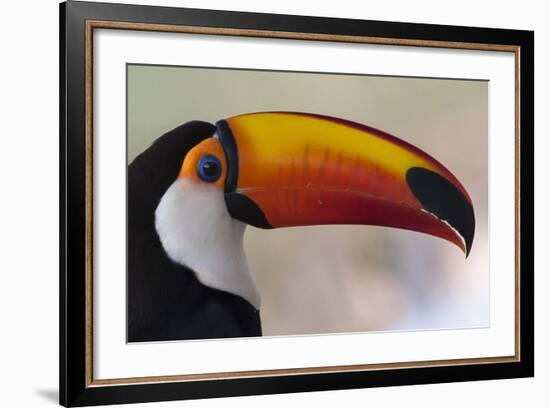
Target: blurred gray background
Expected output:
[329,279]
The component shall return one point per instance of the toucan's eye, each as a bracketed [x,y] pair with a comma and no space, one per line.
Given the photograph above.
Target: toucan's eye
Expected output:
[209,168]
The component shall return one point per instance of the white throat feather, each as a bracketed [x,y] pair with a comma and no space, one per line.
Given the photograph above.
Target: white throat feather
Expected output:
[196,231]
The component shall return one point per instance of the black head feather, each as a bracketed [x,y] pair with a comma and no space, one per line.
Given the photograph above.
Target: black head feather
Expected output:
[165,300]
[153,171]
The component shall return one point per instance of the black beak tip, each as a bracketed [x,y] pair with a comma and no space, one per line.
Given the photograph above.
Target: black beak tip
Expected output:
[470,241]
[442,199]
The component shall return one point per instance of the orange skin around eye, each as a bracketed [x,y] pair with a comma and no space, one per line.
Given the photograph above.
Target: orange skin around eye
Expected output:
[210,146]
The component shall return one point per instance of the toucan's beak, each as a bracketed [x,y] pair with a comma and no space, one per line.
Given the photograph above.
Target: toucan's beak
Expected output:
[291,169]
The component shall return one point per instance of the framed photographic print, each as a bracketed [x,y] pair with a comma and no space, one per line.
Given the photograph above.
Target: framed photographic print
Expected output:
[256,203]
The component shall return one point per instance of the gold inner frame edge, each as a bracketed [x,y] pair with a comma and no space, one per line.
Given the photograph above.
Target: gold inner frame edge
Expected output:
[97,24]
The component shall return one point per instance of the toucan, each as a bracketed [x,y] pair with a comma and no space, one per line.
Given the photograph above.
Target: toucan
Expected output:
[192,193]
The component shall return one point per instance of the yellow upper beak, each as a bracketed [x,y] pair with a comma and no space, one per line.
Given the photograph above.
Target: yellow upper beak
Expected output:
[289,169]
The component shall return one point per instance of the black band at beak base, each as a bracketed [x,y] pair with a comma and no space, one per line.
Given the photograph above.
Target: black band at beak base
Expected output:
[229,145]
[245,210]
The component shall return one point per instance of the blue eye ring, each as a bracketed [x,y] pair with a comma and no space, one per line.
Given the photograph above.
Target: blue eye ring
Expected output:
[209,168]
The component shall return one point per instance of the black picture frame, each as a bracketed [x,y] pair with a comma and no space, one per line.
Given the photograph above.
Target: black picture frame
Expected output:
[76,387]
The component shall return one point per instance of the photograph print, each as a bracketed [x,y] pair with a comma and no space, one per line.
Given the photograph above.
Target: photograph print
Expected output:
[274,203]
